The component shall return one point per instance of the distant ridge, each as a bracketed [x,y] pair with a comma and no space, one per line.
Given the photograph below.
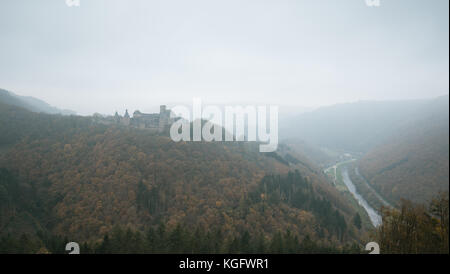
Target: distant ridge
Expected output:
[357,127]
[413,163]
[31,103]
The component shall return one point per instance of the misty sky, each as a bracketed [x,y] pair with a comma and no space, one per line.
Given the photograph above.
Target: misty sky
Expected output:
[109,55]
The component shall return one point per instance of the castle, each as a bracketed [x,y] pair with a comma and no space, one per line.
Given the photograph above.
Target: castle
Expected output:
[156,122]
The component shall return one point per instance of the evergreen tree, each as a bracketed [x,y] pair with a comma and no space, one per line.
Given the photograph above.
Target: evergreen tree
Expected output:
[357,221]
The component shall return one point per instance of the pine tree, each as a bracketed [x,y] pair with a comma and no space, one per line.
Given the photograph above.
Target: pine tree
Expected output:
[357,221]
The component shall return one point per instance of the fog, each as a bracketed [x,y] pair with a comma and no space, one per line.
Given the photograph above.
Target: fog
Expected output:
[110,55]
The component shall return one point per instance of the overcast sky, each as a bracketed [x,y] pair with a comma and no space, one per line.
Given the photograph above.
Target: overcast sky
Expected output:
[108,55]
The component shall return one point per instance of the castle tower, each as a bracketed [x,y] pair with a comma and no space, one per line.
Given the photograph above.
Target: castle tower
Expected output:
[126,119]
[116,118]
[162,109]
[163,118]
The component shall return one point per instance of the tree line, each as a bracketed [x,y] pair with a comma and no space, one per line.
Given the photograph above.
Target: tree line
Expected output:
[415,228]
[179,240]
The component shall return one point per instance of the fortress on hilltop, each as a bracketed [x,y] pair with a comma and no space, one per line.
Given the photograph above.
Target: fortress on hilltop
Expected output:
[156,122]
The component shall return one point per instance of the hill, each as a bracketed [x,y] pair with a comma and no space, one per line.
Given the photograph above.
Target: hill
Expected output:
[351,127]
[414,162]
[30,103]
[67,176]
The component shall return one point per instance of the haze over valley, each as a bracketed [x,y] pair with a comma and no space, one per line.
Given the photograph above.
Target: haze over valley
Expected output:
[88,100]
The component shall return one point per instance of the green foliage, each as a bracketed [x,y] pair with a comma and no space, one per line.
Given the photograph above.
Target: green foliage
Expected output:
[297,192]
[357,221]
[20,245]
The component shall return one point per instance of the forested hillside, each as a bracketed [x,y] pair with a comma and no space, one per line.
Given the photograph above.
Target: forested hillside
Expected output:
[413,163]
[416,228]
[67,177]
[30,103]
[351,127]
[17,123]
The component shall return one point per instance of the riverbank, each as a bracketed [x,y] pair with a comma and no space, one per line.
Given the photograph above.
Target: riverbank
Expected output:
[340,178]
[372,196]
[375,217]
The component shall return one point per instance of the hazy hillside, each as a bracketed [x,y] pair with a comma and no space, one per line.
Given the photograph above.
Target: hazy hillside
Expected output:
[351,127]
[30,103]
[17,123]
[320,156]
[414,162]
[69,176]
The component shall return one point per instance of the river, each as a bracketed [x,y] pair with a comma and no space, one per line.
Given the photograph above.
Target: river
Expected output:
[375,218]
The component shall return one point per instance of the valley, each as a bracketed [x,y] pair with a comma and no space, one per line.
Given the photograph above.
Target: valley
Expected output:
[338,175]
[224,127]
[72,177]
